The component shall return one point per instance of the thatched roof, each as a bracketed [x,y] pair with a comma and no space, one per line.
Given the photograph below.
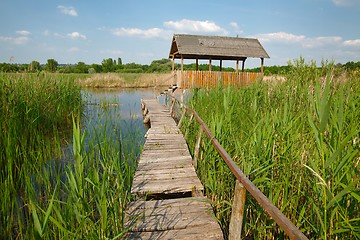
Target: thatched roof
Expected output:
[216,48]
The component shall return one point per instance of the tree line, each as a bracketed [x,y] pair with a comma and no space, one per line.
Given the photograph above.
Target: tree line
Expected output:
[159,66]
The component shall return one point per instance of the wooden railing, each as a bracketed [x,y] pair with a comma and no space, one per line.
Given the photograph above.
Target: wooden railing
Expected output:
[243,184]
[212,79]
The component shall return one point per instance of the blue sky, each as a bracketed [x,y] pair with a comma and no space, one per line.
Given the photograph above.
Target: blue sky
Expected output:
[141,31]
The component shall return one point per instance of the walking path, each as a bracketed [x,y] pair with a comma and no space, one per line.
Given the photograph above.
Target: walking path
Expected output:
[171,204]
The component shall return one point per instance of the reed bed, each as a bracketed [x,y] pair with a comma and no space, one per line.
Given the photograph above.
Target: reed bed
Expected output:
[126,80]
[298,140]
[50,191]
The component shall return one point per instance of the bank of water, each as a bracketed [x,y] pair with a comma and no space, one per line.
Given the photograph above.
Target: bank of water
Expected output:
[83,194]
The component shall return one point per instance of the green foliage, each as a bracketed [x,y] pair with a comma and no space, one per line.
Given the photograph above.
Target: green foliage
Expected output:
[298,141]
[34,110]
[108,65]
[45,193]
[51,65]
[34,66]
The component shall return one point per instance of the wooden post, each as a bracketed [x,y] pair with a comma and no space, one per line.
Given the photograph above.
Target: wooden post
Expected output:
[197,64]
[173,64]
[237,66]
[187,128]
[181,118]
[262,66]
[210,65]
[237,212]
[172,107]
[243,65]
[197,147]
[220,65]
[182,63]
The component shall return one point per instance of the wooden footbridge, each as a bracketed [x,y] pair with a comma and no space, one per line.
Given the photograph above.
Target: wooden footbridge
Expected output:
[171,204]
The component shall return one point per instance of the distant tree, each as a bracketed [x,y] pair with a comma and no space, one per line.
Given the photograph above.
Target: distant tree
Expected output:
[163,65]
[119,62]
[34,66]
[108,65]
[91,71]
[96,67]
[51,65]
[81,67]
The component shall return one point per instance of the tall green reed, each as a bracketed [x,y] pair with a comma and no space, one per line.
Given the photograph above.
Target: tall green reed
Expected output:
[34,109]
[298,141]
[94,190]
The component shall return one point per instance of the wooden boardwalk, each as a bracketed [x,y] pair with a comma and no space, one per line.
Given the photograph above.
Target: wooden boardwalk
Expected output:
[171,204]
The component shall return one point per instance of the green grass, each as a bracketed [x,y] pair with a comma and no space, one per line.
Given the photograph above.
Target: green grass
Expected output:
[49,195]
[298,141]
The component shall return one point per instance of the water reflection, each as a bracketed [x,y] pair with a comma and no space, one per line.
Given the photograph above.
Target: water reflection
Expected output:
[114,109]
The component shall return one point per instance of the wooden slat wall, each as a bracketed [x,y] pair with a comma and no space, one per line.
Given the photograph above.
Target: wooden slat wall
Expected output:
[207,79]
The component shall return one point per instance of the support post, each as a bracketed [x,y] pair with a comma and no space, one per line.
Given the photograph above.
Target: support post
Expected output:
[182,63]
[237,212]
[197,64]
[197,148]
[210,65]
[262,66]
[243,65]
[220,65]
[173,63]
[181,118]
[237,66]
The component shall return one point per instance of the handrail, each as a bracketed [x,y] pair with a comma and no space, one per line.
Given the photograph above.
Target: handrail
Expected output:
[290,229]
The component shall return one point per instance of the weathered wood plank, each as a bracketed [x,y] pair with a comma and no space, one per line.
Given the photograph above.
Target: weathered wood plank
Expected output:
[165,169]
[162,215]
[165,186]
[208,232]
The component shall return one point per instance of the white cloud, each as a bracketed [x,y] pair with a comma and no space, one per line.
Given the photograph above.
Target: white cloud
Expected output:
[306,42]
[321,41]
[281,37]
[352,43]
[23,32]
[76,35]
[235,27]
[68,10]
[15,40]
[186,25]
[137,32]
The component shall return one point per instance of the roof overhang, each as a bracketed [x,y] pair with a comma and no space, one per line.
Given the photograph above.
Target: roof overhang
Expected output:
[215,48]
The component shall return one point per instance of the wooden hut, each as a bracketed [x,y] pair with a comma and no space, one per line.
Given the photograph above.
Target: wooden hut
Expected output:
[210,48]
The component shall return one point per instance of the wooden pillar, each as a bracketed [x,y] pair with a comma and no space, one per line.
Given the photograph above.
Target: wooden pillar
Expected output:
[237,212]
[220,65]
[237,66]
[197,64]
[262,65]
[210,65]
[182,63]
[243,65]
[173,63]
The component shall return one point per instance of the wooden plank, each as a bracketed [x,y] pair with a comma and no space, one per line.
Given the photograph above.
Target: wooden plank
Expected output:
[165,169]
[165,159]
[171,214]
[165,186]
[209,232]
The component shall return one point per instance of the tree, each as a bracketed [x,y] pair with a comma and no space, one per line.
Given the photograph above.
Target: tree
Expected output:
[51,65]
[108,65]
[34,66]
[81,68]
